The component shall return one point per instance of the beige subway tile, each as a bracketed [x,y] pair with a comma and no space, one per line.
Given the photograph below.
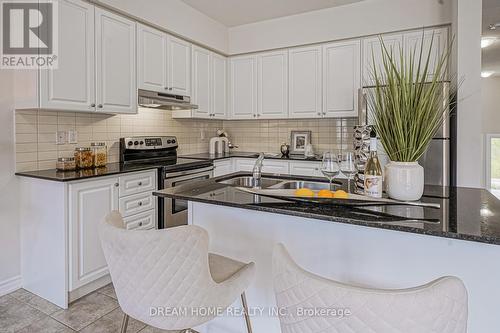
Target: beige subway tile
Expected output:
[26,128]
[44,165]
[26,138]
[42,119]
[26,118]
[26,147]
[47,137]
[44,146]
[26,157]
[26,166]
[47,128]
[47,155]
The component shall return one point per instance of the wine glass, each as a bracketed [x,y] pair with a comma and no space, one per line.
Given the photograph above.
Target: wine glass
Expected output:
[348,167]
[330,167]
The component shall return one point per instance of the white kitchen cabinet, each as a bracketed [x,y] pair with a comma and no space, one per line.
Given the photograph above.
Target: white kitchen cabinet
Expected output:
[219,86]
[201,82]
[179,66]
[151,59]
[137,183]
[275,167]
[341,78]
[305,82]
[413,42]
[243,87]
[72,86]
[372,54]
[89,203]
[141,221]
[116,89]
[223,167]
[303,168]
[244,164]
[272,83]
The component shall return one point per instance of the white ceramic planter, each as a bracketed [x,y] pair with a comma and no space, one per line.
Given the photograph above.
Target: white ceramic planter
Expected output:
[404,180]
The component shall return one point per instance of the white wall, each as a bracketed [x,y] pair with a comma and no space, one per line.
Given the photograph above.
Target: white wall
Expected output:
[9,214]
[490,104]
[470,152]
[176,17]
[358,19]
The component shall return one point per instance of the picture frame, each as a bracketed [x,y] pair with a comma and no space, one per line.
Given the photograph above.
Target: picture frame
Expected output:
[298,141]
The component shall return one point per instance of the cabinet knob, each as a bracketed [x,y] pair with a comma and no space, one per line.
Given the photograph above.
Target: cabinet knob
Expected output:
[99,106]
[317,169]
[166,88]
[258,114]
[140,224]
[324,113]
[254,116]
[170,88]
[139,184]
[92,105]
[117,184]
[319,113]
[140,203]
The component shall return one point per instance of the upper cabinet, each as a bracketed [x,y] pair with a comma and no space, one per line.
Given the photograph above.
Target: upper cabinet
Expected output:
[72,86]
[151,59]
[341,78]
[115,63]
[272,85]
[163,62]
[243,87]
[219,86]
[201,82]
[305,82]
[179,66]
[97,65]
[372,54]
[434,39]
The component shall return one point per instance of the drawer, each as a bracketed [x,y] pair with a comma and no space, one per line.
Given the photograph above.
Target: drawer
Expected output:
[311,169]
[145,220]
[137,203]
[275,167]
[137,183]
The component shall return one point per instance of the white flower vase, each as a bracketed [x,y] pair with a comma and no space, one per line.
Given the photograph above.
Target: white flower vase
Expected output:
[404,180]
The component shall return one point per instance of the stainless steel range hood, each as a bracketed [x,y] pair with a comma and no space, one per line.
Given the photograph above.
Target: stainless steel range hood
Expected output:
[156,100]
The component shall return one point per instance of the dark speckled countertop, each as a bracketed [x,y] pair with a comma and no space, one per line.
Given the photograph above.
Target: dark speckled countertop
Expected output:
[466,213]
[273,156]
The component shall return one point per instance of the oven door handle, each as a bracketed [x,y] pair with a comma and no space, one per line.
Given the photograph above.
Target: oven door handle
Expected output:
[187,172]
[169,181]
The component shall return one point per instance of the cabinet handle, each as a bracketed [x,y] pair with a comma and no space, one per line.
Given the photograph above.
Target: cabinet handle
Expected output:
[117,184]
[99,106]
[170,88]
[92,105]
[140,203]
[319,113]
[166,88]
[317,169]
[324,113]
[258,114]
[140,183]
[254,115]
[140,224]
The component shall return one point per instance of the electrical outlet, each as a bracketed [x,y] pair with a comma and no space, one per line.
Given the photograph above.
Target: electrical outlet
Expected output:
[61,137]
[72,136]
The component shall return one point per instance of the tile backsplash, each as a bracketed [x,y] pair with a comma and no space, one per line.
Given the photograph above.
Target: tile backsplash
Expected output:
[268,135]
[36,147]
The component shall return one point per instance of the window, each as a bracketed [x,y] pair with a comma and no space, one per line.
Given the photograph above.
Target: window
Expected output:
[493,163]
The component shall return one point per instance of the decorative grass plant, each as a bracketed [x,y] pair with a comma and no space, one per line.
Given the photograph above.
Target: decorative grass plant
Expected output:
[407,102]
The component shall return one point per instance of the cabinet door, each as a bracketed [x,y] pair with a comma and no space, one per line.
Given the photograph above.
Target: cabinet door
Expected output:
[223,167]
[341,79]
[201,82]
[272,83]
[372,54]
[304,82]
[151,59]
[115,63]
[311,169]
[219,86]
[243,87]
[89,203]
[72,86]
[244,164]
[439,40]
[275,167]
[179,66]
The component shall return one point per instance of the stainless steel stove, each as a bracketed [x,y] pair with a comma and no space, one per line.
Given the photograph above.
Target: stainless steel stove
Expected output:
[161,152]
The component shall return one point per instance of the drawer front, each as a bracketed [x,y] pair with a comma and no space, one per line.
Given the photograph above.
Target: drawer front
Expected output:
[244,164]
[311,169]
[137,203]
[137,183]
[146,220]
[223,167]
[276,167]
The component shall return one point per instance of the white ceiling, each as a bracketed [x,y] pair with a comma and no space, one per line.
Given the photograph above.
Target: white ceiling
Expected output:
[237,12]
[491,54]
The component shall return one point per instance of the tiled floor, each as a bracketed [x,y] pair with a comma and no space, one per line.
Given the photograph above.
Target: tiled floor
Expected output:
[98,312]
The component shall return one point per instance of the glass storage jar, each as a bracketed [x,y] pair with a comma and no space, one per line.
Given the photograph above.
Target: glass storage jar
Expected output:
[100,152]
[84,158]
[66,164]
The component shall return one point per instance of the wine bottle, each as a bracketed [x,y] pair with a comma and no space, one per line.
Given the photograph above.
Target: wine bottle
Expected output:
[373,171]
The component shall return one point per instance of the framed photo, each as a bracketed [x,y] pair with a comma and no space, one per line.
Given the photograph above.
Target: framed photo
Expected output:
[299,140]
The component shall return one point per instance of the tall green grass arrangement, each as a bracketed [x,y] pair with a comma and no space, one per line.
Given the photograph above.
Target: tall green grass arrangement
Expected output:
[407,102]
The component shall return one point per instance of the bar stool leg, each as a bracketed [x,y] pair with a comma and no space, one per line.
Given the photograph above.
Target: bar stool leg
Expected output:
[247,316]
[124,323]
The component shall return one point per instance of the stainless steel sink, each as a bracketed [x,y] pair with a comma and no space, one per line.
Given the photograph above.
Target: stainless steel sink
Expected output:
[247,181]
[295,184]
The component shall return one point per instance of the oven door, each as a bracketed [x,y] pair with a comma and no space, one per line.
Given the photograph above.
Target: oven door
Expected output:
[175,211]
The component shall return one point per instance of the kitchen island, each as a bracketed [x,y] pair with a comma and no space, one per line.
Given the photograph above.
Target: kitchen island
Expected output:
[381,246]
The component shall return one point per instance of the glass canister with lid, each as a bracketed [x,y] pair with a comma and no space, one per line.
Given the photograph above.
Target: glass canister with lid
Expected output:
[66,164]
[84,158]
[100,152]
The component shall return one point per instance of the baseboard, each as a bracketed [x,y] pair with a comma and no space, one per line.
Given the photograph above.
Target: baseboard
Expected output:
[89,287]
[10,285]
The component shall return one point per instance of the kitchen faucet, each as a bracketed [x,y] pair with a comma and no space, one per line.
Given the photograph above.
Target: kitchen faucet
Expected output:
[257,171]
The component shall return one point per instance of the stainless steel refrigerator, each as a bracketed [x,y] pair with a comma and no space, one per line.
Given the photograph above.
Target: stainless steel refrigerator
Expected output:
[437,161]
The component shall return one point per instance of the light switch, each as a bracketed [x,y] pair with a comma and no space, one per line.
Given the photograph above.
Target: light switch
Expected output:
[61,137]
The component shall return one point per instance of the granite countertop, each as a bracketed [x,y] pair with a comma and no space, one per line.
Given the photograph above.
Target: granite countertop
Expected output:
[466,213]
[273,156]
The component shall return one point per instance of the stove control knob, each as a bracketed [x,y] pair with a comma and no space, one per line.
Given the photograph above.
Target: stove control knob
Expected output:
[130,143]
[173,141]
[136,143]
[169,141]
[141,143]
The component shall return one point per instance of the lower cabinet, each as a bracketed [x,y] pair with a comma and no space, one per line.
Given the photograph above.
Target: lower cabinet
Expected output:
[89,203]
[223,167]
[300,168]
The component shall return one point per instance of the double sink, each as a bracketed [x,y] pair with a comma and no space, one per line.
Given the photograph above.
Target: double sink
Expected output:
[276,183]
